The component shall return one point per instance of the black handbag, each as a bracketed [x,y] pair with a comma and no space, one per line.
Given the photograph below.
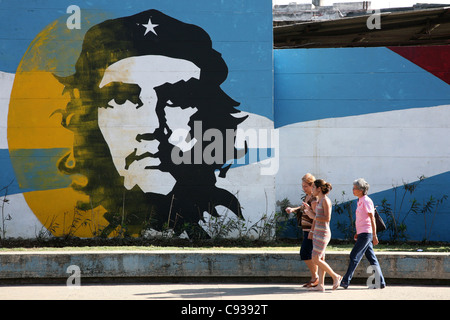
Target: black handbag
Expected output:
[381,226]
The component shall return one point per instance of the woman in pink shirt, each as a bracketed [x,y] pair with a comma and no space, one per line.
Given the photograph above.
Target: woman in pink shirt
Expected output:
[366,235]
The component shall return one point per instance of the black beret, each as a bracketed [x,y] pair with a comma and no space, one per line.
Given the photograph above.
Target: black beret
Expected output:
[147,33]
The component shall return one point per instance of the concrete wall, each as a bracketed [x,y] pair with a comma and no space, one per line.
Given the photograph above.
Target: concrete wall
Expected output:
[209,266]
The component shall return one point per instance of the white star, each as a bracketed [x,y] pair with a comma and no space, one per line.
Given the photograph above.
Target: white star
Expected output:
[150,27]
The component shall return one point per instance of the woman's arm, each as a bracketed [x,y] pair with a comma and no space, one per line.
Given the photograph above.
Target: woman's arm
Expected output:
[290,210]
[311,232]
[309,210]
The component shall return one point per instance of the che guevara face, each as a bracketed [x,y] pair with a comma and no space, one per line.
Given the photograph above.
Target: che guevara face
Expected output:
[137,119]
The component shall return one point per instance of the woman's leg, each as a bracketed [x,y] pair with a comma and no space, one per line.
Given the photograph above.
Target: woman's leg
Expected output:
[370,255]
[314,271]
[361,245]
[325,268]
[306,256]
[321,275]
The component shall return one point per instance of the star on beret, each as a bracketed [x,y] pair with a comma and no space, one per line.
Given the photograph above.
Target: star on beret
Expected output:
[150,27]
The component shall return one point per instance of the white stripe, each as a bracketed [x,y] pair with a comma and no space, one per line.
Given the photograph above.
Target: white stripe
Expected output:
[384,148]
[20,221]
[6,84]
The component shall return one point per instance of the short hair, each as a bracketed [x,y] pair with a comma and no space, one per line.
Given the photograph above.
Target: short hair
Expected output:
[362,185]
[308,178]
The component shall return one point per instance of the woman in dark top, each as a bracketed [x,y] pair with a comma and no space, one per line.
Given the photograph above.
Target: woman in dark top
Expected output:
[305,218]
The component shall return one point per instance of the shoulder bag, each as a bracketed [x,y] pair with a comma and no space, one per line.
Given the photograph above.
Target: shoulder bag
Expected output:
[381,226]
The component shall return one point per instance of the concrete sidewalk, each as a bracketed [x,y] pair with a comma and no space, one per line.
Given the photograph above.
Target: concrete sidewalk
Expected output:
[215,293]
[208,266]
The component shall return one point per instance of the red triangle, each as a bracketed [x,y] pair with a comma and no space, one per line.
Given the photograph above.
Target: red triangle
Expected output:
[434,59]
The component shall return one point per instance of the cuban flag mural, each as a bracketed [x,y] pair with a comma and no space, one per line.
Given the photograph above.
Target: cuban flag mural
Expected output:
[121,117]
[381,114]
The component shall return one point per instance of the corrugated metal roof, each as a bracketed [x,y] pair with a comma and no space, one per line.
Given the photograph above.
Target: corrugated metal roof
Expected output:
[420,27]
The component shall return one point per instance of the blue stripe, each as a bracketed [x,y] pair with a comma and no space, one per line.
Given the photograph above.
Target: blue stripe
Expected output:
[32,170]
[253,155]
[23,20]
[7,176]
[313,84]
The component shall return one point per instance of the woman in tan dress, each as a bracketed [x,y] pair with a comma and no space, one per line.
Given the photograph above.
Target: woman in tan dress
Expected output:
[321,234]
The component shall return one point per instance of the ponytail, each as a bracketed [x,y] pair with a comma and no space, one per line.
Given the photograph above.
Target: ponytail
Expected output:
[324,186]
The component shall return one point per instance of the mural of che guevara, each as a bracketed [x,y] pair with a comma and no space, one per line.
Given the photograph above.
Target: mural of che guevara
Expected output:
[141,84]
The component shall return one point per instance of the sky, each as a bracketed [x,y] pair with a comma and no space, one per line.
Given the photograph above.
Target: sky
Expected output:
[376,4]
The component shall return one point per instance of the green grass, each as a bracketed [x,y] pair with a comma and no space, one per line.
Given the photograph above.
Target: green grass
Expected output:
[396,248]
[269,248]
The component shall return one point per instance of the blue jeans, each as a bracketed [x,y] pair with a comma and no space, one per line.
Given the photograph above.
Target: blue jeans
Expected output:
[362,246]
